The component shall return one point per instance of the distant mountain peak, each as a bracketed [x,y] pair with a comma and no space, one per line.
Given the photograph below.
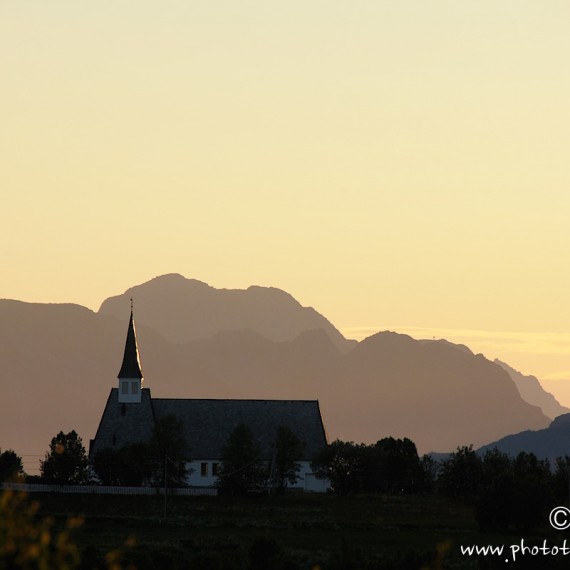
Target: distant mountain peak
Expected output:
[182,310]
[170,280]
[532,392]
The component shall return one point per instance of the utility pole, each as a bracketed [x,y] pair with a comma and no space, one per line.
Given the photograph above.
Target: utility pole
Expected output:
[165,486]
[272,470]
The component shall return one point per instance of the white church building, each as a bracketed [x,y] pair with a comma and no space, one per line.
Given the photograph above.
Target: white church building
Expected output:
[131,412]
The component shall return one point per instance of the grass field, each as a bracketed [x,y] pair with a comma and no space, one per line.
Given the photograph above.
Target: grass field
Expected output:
[290,532]
[295,531]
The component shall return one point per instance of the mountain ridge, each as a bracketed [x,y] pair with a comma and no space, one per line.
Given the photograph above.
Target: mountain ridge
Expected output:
[530,390]
[187,309]
[548,443]
[389,384]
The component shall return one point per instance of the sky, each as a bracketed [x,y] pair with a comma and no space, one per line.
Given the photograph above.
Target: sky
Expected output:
[396,165]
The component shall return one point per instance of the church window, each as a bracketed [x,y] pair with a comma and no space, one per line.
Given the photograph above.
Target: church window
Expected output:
[215,469]
[134,387]
[204,470]
[124,387]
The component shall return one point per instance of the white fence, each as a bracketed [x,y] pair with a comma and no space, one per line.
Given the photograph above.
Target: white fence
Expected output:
[104,490]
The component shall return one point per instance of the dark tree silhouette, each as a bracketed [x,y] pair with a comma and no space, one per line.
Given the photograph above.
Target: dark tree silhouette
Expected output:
[242,468]
[430,468]
[147,462]
[132,465]
[171,451]
[494,502]
[391,466]
[66,460]
[108,466]
[460,476]
[11,467]
[532,490]
[560,480]
[288,449]
[340,463]
[514,493]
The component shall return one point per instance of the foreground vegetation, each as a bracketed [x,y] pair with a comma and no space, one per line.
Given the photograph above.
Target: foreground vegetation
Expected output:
[288,532]
[388,509]
[293,531]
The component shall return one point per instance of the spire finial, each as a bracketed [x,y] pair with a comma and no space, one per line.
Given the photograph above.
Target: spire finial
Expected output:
[131,305]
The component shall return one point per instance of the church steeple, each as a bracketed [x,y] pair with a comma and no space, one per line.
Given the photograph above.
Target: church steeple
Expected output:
[130,376]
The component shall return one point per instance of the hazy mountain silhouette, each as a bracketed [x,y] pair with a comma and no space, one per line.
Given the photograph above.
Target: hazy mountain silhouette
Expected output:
[436,393]
[532,392]
[548,443]
[58,363]
[183,309]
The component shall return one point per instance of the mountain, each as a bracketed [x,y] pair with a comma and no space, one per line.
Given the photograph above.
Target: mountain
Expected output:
[59,362]
[437,393]
[182,310]
[532,392]
[548,443]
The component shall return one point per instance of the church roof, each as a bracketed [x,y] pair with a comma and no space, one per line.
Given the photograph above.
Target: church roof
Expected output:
[131,367]
[207,424]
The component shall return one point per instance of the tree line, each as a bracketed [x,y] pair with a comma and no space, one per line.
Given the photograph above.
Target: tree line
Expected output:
[163,460]
[506,492]
[514,493]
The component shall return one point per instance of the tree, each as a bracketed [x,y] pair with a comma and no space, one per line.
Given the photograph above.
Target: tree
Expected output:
[560,480]
[242,469]
[495,501]
[132,465]
[533,495]
[431,468]
[146,462]
[460,476]
[171,452]
[66,461]
[11,468]
[340,463]
[392,466]
[108,466]
[514,493]
[389,466]
[288,449]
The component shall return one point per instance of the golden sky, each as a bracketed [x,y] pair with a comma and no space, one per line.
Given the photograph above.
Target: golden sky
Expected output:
[385,162]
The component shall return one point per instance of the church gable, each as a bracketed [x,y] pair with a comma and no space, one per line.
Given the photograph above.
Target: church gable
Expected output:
[124,423]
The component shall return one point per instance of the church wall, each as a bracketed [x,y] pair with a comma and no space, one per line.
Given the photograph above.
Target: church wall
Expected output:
[202,475]
[202,472]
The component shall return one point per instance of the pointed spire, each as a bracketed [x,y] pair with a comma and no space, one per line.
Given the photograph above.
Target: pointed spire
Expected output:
[131,367]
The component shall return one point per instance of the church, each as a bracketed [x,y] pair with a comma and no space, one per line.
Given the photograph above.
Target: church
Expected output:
[131,412]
